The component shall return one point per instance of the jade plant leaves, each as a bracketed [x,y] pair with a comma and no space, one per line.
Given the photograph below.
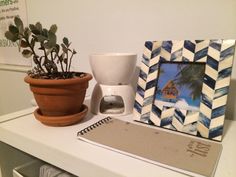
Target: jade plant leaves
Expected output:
[24,44]
[18,21]
[53,29]
[27,53]
[19,24]
[10,36]
[57,48]
[34,29]
[41,44]
[66,41]
[64,48]
[41,38]
[74,52]
[13,29]
[39,27]
[52,39]
[45,32]
[27,32]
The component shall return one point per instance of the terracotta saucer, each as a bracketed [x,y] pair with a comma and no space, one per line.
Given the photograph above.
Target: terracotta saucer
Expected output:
[58,121]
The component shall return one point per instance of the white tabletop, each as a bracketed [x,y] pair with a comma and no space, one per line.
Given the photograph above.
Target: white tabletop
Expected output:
[60,146]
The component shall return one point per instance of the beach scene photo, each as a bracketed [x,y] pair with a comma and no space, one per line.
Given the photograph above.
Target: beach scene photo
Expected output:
[179,85]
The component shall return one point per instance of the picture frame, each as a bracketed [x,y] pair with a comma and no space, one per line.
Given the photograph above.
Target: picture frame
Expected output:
[202,118]
[10,58]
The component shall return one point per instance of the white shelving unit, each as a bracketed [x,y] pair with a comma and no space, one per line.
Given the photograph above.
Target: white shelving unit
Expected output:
[59,146]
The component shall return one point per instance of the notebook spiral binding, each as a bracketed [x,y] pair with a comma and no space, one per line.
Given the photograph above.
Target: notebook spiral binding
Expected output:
[93,126]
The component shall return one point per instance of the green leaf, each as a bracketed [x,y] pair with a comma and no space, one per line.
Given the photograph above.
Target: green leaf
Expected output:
[24,44]
[49,51]
[11,36]
[34,29]
[13,29]
[35,37]
[41,38]
[36,32]
[66,41]
[27,32]
[26,53]
[52,39]
[39,26]
[18,22]
[57,48]
[53,29]
[45,32]
[64,49]
[74,52]
[46,45]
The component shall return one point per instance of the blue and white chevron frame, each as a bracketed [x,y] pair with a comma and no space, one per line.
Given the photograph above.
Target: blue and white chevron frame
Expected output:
[217,55]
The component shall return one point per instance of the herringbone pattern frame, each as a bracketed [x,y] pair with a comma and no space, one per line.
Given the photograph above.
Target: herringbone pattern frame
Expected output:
[218,58]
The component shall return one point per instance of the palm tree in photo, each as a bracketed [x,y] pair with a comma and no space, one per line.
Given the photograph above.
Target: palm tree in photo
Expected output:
[160,72]
[191,76]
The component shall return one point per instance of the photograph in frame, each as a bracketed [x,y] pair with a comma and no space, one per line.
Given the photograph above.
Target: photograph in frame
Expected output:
[183,85]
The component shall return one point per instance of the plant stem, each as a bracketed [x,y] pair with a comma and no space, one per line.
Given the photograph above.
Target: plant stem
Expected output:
[52,58]
[67,56]
[62,69]
[70,60]
[36,58]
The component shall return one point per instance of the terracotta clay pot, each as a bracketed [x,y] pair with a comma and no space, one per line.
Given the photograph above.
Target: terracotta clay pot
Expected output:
[59,97]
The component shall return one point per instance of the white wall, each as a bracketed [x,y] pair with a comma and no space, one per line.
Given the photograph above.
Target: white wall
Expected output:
[15,94]
[124,25]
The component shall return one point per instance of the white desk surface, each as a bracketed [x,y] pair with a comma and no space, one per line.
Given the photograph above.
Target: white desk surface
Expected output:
[59,146]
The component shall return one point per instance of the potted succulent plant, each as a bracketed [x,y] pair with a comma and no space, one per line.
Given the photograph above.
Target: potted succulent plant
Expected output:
[58,91]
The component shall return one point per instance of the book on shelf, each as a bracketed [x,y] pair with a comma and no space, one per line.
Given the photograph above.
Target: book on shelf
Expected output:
[182,153]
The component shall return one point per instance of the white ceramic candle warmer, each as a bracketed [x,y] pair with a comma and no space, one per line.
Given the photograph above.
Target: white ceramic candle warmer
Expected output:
[113,94]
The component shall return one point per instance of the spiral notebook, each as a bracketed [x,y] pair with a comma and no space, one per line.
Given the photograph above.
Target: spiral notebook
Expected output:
[185,154]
